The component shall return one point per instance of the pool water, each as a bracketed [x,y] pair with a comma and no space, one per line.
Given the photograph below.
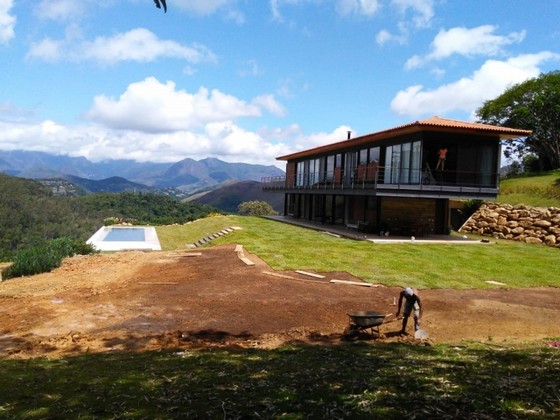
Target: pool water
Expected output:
[126,235]
[117,238]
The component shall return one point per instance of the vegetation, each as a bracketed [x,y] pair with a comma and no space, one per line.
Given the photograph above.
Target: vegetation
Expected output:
[30,215]
[145,209]
[41,259]
[295,382]
[531,105]
[255,208]
[538,190]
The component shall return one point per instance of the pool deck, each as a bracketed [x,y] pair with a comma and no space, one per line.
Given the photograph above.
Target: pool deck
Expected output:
[150,242]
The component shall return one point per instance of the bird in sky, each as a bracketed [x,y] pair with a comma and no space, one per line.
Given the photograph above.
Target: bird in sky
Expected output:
[160,3]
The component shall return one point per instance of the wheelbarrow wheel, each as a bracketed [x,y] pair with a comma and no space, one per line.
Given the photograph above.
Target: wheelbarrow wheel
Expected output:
[350,333]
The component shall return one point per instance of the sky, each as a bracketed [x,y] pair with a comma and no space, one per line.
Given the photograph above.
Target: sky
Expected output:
[251,80]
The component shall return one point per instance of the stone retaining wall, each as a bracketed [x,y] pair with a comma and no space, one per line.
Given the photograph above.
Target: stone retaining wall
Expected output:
[533,225]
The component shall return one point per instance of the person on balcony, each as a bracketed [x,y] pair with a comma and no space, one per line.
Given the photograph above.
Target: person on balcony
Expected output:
[442,154]
[413,302]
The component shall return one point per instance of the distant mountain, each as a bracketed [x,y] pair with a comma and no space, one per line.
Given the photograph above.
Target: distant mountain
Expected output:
[228,196]
[36,165]
[187,175]
[114,184]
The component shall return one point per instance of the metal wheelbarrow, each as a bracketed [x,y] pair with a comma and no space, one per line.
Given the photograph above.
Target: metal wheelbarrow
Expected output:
[364,321]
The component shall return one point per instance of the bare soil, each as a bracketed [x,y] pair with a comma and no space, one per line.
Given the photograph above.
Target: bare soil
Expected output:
[137,301]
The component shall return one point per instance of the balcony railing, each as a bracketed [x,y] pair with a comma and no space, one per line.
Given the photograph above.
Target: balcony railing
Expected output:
[385,178]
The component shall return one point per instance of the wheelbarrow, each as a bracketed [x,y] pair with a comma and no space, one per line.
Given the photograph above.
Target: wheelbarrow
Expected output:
[364,321]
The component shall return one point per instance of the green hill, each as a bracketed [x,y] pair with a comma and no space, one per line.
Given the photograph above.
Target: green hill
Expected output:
[540,190]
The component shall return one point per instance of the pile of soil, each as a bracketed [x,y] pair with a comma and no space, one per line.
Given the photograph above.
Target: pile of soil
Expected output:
[137,301]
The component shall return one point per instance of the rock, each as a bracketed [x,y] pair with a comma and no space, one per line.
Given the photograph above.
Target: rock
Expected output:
[533,240]
[520,223]
[542,223]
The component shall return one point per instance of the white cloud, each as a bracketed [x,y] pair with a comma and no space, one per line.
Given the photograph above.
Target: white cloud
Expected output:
[140,45]
[422,15]
[358,7]
[59,10]
[224,140]
[384,36]
[423,11]
[469,93]
[7,21]
[467,42]
[202,7]
[153,106]
[366,8]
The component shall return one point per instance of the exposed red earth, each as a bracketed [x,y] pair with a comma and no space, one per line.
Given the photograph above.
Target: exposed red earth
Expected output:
[139,301]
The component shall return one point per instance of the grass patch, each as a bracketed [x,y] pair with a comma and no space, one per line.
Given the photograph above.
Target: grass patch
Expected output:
[541,190]
[348,381]
[287,247]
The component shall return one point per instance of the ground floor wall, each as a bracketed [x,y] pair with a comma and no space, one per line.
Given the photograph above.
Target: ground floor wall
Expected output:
[392,215]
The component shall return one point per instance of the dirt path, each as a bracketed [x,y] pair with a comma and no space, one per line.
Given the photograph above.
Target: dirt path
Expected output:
[137,301]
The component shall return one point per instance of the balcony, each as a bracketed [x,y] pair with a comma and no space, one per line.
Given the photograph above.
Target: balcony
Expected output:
[390,182]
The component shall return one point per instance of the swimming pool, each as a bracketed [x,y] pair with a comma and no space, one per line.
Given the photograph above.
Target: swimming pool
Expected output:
[118,238]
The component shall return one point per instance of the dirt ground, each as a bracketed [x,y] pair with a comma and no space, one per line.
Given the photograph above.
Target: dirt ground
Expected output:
[138,301]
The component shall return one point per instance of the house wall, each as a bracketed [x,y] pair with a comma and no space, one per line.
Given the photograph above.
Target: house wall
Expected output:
[410,216]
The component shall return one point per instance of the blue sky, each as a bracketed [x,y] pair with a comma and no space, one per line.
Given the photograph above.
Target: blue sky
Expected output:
[250,80]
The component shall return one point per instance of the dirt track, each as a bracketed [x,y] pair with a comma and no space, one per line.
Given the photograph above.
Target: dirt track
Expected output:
[150,300]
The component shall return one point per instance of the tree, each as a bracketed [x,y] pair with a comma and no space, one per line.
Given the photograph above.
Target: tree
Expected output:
[531,105]
[256,208]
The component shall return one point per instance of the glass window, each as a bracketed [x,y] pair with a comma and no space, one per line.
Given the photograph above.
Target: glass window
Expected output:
[374,155]
[405,163]
[402,163]
[350,165]
[363,157]
[330,168]
[415,162]
[395,164]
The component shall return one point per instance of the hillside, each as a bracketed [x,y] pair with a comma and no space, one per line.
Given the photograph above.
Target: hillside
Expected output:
[31,214]
[231,194]
[540,190]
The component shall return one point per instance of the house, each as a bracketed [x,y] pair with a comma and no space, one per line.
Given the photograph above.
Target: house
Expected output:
[399,180]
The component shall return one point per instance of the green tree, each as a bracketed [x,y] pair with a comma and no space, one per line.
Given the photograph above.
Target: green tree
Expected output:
[531,105]
[255,208]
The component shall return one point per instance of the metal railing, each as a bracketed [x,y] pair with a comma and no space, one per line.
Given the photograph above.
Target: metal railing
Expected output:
[386,178]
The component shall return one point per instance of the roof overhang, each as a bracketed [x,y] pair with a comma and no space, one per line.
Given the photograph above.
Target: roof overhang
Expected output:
[436,124]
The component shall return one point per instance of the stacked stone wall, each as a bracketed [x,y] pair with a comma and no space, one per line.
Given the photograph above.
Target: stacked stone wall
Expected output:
[533,225]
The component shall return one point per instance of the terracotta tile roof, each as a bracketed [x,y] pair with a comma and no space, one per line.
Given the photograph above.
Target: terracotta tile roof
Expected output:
[429,124]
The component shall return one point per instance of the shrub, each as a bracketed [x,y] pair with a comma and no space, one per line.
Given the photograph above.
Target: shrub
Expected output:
[256,208]
[42,259]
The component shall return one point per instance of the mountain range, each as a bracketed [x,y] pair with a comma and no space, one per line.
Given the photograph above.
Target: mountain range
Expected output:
[188,175]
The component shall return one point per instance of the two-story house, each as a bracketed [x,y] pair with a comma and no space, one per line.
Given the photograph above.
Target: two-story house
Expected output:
[399,180]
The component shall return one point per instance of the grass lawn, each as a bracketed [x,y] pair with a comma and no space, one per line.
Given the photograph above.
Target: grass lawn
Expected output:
[287,247]
[541,190]
[350,381]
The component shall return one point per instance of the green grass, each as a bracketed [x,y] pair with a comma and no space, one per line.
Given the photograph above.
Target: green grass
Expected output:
[287,247]
[347,382]
[542,190]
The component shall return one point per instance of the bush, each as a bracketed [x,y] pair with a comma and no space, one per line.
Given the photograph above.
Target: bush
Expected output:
[256,208]
[42,259]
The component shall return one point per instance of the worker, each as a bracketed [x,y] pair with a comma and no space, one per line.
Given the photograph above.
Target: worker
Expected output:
[442,156]
[413,302]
